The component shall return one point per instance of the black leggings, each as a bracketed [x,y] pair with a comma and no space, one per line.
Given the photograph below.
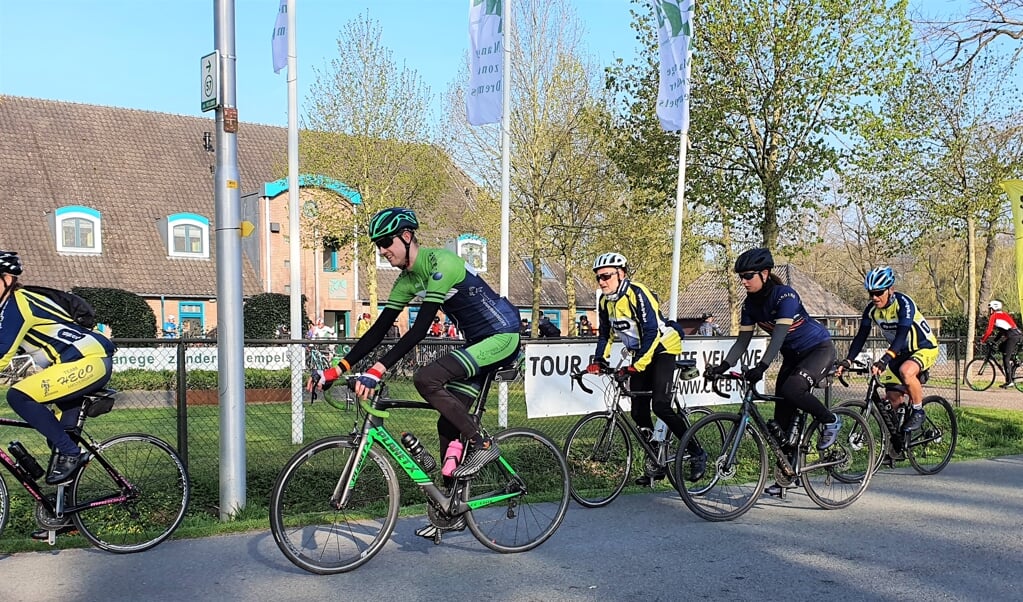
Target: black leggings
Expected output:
[1008,348]
[657,378]
[798,374]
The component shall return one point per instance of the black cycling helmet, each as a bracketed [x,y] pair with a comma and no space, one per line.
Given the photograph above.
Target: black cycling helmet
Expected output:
[754,260]
[391,222]
[10,263]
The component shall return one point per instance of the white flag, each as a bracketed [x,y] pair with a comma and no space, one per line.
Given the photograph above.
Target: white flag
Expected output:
[279,41]
[484,98]
[675,30]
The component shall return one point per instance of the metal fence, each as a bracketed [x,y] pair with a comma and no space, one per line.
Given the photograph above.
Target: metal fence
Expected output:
[169,388]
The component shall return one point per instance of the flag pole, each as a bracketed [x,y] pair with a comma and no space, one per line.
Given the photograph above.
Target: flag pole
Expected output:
[502,394]
[294,232]
[680,213]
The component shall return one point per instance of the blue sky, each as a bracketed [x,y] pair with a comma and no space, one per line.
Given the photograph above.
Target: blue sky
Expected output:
[144,54]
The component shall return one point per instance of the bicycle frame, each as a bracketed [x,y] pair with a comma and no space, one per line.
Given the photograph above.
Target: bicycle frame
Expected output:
[57,507]
[748,412]
[374,431]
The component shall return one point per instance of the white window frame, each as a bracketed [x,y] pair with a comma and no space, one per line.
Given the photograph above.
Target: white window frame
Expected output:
[88,214]
[188,219]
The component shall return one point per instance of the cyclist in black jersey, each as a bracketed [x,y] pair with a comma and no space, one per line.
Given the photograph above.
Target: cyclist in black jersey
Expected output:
[804,344]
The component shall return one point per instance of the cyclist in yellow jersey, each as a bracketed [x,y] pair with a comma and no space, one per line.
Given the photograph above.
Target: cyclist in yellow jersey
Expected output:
[75,361]
[628,311]
[912,349]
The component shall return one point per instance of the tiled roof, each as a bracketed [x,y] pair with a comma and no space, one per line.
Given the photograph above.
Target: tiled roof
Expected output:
[136,168]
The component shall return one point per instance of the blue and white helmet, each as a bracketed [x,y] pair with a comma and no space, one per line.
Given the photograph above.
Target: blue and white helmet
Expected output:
[10,263]
[879,279]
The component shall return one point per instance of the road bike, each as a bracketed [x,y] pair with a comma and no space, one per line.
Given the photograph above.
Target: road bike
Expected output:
[335,503]
[737,469]
[981,372]
[130,495]
[599,447]
[928,448]
[19,367]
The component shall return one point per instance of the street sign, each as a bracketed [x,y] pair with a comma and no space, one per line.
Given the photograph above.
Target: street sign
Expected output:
[210,65]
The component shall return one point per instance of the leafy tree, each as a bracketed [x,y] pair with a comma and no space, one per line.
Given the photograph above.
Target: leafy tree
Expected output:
[367,127]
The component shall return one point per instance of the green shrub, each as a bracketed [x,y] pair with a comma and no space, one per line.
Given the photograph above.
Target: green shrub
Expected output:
[137,379]
[127,314]
[263,313]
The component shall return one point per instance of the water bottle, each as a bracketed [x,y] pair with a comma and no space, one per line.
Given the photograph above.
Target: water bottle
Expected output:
[797,427]
[660,431]
[418,452]
[777,432]
[452,457]
[25,460]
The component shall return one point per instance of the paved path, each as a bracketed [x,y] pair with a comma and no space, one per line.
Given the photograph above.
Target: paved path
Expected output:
[954,536]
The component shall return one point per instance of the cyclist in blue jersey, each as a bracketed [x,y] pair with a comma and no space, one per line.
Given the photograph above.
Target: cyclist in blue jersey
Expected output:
[489,323]
[75,361]
[804,344]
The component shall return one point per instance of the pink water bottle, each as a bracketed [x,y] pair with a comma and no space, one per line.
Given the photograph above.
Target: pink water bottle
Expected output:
[452,457]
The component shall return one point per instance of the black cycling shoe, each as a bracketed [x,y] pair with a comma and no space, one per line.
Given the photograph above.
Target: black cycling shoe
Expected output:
[698,466]
[64,467]
[43,534]
[648,480]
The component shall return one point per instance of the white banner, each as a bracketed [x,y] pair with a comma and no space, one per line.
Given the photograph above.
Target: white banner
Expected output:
[196,358]
[484,98]
[551,392]
[279,40]
[674,30]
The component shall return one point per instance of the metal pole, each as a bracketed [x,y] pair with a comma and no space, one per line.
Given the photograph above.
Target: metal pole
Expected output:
[502,388]
[227,199]
[295,233]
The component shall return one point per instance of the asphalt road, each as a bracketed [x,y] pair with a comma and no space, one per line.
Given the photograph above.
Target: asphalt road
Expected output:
[953,536]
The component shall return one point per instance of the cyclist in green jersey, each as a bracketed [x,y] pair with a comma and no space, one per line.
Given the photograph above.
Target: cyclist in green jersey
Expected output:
[488,322]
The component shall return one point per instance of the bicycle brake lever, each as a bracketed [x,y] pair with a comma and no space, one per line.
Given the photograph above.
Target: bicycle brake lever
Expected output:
[578,377]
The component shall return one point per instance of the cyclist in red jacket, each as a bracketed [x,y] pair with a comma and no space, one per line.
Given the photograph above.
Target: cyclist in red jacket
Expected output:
[1007,337]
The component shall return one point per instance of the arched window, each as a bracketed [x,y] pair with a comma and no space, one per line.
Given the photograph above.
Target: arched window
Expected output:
[78,230]
[189,235]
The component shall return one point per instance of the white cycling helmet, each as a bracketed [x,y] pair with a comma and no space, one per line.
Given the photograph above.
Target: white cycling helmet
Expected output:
[995,305]
[609,260]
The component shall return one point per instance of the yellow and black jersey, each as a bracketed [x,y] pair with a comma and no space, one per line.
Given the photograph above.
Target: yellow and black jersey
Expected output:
[45,331]
[901,324]
[634,317]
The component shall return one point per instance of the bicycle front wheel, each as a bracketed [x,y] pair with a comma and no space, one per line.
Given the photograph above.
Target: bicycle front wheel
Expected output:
[157,493]
[599,454]
[309,530]
[736,469]
[851,461]
[877,427]
[980,374]
[930,447]
[520,499]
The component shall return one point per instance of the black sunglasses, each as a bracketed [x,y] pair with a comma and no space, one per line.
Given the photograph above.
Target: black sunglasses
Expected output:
[879,293]
[748,275]
[605,277]
[383,243]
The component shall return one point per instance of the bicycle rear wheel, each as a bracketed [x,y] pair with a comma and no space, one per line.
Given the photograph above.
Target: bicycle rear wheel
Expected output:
[980,374]
[732,481]
[309,530]
[532,478]
[841,484]
[878,429]
[5,505]
[930,447]
[157,494]
[599,455]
